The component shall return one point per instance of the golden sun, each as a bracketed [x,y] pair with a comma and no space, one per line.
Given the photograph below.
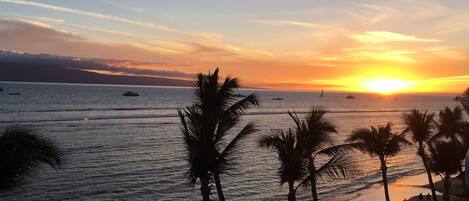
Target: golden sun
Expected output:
[386,86]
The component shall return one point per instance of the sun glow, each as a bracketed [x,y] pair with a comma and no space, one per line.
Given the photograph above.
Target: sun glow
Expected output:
[386,86]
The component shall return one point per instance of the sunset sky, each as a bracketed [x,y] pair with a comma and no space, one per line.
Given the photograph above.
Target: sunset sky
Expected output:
[377,46]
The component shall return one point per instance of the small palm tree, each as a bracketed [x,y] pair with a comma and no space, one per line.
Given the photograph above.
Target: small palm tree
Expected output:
[380,142]
[292,166]
[420,125]
[207,123]
[21,152]
[445,160]
[313,133]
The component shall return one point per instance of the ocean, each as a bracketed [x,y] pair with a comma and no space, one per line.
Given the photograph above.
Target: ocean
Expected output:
[130,148]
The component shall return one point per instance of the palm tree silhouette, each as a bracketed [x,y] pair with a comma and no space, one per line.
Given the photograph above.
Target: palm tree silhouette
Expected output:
[313,133]
[464,100]
[292,166]
[445,160]
[206,124]
[450,125]
[420,125]
[21,152]
[380,142]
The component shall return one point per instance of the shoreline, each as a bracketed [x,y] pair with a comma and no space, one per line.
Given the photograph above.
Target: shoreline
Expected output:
[404,188]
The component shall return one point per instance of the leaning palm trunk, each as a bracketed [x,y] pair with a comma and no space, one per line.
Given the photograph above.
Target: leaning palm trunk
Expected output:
[447,186]
[385,179]
[221,197]
[204,189]
[312,179]
[463,181]
[291,191]
[421,153]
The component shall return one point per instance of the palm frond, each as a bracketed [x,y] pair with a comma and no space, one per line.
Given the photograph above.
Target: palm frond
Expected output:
[21,151]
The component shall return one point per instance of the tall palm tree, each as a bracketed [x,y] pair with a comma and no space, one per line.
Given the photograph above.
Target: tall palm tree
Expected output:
[313,133]
[445,160]
[292,166]
[450,126]
[21,152]
[206,124]
[380,142]
[420,125]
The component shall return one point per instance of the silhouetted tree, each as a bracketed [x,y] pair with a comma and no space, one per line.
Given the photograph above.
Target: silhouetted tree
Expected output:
[464,100]
[420,125]
[450,125]
[292,166]
[313,133]
[380,142]
[206,124]
[21,152]
[445,160]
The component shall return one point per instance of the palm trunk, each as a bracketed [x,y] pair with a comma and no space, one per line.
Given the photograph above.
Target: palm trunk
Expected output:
[221,197]
[204,189]
[313,181]
[427,169]
[446,185]
[385,179]
[463,180]
[291,191]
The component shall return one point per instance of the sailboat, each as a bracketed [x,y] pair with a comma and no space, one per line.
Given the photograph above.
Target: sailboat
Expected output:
[322,93]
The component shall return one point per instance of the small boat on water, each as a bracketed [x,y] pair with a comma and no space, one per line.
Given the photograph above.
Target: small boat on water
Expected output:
[130,93]
[14,94]
[322,93]
[350,97]
[278,98]
[1,89]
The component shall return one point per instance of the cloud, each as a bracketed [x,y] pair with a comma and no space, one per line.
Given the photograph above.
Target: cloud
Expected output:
[110,17]
[289,22]
[386,37]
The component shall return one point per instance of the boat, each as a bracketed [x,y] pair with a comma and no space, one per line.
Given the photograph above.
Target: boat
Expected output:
[322,93]
[277,98]
[350,97]
[130,93]
[239,95]
[14,94]
[1,89]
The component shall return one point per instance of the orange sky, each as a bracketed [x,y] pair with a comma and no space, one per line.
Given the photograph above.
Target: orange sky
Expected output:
[365,46]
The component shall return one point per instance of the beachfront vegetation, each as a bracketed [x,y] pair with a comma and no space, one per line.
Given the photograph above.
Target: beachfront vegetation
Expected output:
[420,125]
[382,143]
[292,166]
[441,144]
[207,123]
[299,147]
[445,160]
[21,152]
[314,139]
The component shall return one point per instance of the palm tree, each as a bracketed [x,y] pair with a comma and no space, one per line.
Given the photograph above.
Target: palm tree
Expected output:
[380,142]
[21,152]
[445,160]
[207,123]
[292,166]
[313,133]
[464,100]
[420,125]
[450,125]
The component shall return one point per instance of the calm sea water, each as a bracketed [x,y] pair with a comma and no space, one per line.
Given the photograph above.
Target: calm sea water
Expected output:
[130,148]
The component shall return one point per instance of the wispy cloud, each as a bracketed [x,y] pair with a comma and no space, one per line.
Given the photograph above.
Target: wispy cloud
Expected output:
[108,17]
[289,22]
[385,37]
